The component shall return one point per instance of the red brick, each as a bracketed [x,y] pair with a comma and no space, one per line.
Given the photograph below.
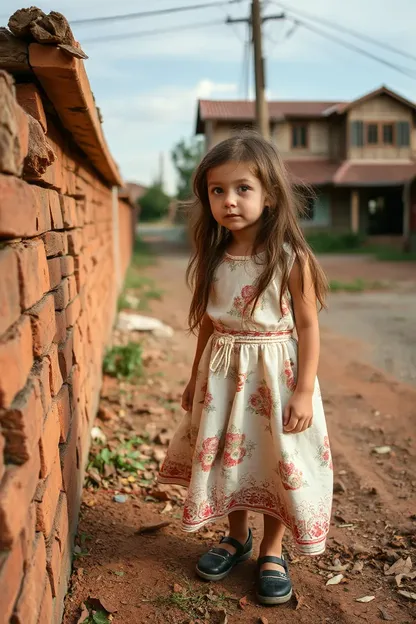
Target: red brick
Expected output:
[55,276]
[68,207]
[61,525]
[28,605]
[78,345]
[56,244]
[11,575]
[55,376]
[67,266]
[74,242]
[22,423]
[65,354]
[42,316]
[71,473]
[47,496]
[16,492]
[64,412]
[29,533]
[9,289]
[33,272]
[72,287]
[43,374]
[61,326]
[73,311]
[30,100]
[46,607]
[61,294]
[18,208]
[43,211]
[16,359]
[53,564]
[49,440]
[57,221]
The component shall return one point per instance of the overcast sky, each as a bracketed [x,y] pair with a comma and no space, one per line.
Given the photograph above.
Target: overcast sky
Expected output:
[147,87]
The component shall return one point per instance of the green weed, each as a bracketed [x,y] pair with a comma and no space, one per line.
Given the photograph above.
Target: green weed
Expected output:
[124,361]
[358,285]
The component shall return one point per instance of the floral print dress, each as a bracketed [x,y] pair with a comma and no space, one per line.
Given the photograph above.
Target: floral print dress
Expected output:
[230,450]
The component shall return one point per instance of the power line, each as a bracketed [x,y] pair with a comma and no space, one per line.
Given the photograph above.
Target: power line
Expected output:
[127,16]
[403,70]
[345,29]
[149,33]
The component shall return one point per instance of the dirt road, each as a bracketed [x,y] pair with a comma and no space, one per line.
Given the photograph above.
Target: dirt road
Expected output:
[150,577]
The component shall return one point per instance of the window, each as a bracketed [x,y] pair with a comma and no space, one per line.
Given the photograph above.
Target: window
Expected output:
[388,134]
[403,133]
[299,136]
[372,134]
[357,133]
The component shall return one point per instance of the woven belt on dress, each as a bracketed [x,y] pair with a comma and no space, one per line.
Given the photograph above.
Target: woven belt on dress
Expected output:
[223,345]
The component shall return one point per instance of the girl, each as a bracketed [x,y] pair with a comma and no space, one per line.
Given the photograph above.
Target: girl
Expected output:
[254,436]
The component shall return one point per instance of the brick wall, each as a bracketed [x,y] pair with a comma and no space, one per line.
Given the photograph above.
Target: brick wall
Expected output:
[57,305]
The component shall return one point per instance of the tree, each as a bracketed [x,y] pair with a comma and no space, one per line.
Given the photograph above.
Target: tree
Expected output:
[154,204]
[186,155]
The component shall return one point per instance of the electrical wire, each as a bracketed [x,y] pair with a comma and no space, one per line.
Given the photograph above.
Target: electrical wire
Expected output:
[149,33]
[403,70]
[152,13]
[345,29]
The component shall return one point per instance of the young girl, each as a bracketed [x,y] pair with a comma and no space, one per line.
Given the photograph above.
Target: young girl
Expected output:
[254,436]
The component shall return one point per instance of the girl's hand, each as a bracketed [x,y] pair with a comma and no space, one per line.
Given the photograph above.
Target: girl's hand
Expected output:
[188,395]
[298,413]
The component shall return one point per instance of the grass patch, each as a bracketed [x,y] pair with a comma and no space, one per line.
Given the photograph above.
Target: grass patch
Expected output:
[357,285]
[388,254]
[125,458]
[124,361]
[196,602]
[142,254]
[326,242]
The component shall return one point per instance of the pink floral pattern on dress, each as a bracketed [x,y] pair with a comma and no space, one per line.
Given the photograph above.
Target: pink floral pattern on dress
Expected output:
[292,478]
[235,449]
[241,303]
[324,454]
[208,398]
[262,402]
[206,457]
[289,375]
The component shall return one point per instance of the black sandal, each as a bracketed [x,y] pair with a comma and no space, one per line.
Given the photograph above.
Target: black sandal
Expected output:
[218,562]
[273,587]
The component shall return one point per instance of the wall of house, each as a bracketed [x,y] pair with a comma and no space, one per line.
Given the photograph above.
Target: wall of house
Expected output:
[340,210]
[318,139]
[57,305]
[219,131]
[384,109]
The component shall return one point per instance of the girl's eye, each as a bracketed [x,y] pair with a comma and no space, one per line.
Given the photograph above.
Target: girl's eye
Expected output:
[244,188]
[217,190]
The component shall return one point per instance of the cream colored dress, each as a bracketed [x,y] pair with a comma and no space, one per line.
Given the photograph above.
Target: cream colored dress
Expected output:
[230,450]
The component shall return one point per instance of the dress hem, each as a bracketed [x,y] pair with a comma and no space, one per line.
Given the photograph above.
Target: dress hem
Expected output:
[311,549]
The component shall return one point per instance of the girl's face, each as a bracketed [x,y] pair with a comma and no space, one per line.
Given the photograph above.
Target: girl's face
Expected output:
[236,196]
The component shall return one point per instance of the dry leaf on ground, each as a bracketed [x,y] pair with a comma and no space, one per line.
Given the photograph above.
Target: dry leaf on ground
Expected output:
[242,603]
[365,599]
[335,580]
[384,615]
[152,528]
[407,594]
[401,566]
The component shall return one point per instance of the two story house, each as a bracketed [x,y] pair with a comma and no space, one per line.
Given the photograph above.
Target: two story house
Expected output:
[359,157]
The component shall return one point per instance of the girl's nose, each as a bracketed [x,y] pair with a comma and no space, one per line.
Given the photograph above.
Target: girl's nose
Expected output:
[230,200]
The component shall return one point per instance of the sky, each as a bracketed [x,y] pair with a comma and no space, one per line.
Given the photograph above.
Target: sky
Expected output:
[147,87]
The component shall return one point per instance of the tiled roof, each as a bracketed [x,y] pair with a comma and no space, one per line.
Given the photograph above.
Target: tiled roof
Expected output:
[315,172]
[243,110]
[374,174]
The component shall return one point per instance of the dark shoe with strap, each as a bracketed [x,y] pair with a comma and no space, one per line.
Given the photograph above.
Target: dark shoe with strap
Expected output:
[273,587]
[218,562]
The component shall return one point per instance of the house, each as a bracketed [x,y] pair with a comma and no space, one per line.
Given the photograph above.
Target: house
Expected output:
[359,156]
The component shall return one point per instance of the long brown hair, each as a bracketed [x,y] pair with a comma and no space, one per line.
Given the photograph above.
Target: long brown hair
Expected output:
[279,224]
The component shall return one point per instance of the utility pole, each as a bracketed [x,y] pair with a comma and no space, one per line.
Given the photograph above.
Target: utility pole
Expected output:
[256,20]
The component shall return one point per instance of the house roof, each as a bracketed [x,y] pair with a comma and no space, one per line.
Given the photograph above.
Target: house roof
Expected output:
[315,172]
[244,110]
[374,174]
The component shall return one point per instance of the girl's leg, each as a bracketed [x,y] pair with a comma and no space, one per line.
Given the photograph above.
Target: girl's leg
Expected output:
[238,521]
[271,544]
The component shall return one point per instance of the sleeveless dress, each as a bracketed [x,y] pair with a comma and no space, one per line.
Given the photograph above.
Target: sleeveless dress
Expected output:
[230,450]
